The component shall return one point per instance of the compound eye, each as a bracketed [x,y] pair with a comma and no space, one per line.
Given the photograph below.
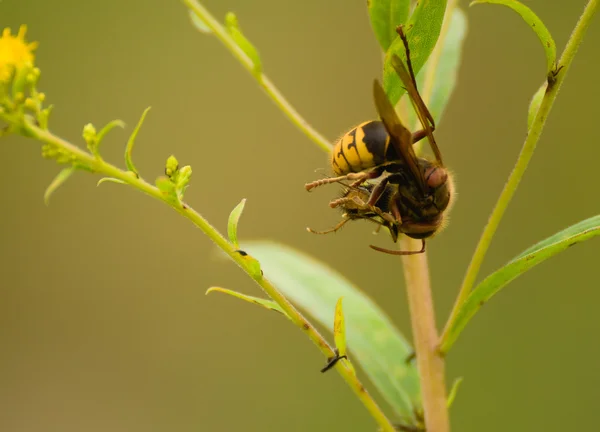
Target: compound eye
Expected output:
[435,177]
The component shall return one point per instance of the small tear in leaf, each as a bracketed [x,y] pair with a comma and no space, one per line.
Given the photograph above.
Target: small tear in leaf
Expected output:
[232,224]
[233,28]
[58,181]
[131,142]
[268,304]
[453,391]
[339,329]
[110,180]
[199,23]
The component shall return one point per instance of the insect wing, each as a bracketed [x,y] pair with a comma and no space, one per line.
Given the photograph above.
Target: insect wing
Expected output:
[423,113]
[401,137]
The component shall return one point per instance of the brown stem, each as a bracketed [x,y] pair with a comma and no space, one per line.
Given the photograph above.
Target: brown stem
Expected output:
[430,363]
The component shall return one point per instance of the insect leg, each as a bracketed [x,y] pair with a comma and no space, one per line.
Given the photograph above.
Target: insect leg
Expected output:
[399,252]
[334,229]
[360,177]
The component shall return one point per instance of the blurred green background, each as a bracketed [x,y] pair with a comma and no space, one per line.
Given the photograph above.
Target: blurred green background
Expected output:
[104,324]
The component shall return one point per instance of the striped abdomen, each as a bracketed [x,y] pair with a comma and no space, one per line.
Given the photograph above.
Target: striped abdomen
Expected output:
[365,146]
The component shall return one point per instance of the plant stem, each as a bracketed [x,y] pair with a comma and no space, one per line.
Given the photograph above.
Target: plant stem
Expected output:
[422,315]
[432,369]
[221,33]
[102,167]
[521,165]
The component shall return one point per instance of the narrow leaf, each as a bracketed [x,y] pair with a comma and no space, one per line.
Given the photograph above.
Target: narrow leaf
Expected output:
[422,31]
[110,180]
[531,257]
[443,80]
[199,23]
[268,304]
[233,28]
[339,329]
[131,142]
[535,23]
[106,129]
[58,181]
[232,224]
[385,16]
[535,103]
[374,341]
[454,391]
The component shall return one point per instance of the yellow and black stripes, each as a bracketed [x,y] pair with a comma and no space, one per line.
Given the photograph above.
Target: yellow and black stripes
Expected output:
[363,147]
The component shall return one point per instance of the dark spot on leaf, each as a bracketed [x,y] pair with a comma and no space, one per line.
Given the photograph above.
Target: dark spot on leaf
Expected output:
[241,252]
[305,326]
[481,303]
[572,244]
[548,44]
[410,357]
[184,206]
[362,389]
[275,310]
[532,24]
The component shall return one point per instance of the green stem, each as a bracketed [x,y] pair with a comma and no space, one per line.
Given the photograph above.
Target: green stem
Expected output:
[295,117]
[100,166]
[522,162]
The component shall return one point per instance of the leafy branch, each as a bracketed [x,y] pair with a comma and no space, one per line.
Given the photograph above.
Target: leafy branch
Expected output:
[21,108]
[374,342]
[538,117]
[231,36]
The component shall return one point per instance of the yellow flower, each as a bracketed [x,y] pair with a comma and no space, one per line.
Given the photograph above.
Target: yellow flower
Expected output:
[15,53]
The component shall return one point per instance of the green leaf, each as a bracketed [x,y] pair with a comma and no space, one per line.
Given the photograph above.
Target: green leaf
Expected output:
[106,129]
[232,224]
[454,391]
[58,181]
[268,304]
[422,31]
[373,340]
[182,180]
[535,23]
[444,77]
[199,23]
[531,257]
[233,28]
[339,329]
[110,180]
[131,142]
[535,103]
[167,188]
[385,16]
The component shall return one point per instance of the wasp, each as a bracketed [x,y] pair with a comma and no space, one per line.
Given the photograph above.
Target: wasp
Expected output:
[416,191]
